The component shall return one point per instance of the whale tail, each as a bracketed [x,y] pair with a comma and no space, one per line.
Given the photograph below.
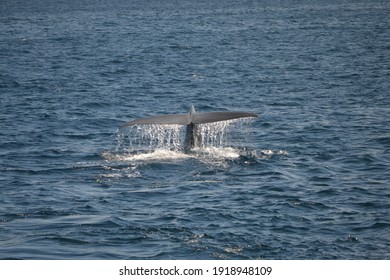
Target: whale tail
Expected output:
[191,120]
[191,117]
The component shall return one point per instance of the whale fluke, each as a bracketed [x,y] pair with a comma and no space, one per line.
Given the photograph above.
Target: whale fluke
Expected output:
[180,119]
[191,117]
[191,120]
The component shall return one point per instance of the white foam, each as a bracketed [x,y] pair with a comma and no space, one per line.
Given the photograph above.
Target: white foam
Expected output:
[160,155]
[211,153]
[270,153]
[156,155]
[217,153]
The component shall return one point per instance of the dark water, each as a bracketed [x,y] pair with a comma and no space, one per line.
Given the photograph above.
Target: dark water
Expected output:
[308,180]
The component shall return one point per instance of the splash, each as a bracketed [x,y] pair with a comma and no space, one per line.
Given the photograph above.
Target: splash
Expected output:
[220,142]
[147,139]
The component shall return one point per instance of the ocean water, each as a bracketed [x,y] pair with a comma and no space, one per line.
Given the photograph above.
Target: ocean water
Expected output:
[308,179]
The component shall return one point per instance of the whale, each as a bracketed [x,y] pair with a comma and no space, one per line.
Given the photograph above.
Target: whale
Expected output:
[191,120]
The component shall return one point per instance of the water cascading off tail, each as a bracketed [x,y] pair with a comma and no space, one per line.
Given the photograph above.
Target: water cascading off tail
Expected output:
[152,137]
[183,132]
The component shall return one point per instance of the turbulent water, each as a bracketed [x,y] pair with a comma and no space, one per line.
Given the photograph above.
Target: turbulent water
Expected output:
[308,179]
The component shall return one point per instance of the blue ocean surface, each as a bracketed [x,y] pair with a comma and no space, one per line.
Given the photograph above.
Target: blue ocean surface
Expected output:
[308,179]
